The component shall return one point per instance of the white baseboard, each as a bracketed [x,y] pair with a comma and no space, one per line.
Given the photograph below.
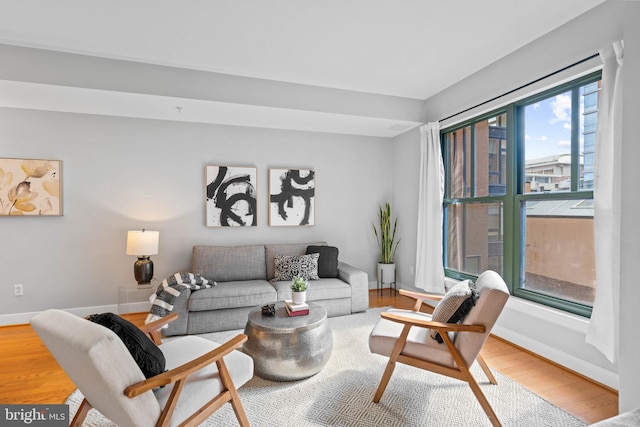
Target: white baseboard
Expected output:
[135,307]
[24,318]
[374,286]
[16,319]
[565,327]
[589,370]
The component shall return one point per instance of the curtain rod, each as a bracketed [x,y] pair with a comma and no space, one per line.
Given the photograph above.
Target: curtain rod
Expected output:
[521,87]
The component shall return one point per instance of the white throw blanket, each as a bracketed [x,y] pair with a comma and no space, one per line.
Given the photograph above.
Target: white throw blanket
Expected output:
[163,299]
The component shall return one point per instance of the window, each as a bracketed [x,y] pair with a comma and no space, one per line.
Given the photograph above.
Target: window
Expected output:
[476,185]
[519,196]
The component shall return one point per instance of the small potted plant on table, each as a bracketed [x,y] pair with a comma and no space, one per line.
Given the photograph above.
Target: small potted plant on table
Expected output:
[299,287]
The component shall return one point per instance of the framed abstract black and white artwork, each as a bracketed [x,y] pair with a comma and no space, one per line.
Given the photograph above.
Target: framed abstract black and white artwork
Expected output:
[291,197]
[231,196]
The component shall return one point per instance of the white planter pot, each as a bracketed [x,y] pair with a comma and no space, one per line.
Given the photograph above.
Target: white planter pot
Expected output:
[386,275]
[299,297]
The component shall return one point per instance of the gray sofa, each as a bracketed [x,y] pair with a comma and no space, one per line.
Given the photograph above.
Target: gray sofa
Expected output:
[243,275]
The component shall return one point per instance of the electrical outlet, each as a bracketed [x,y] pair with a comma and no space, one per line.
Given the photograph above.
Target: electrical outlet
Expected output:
[18,290]
[411,270]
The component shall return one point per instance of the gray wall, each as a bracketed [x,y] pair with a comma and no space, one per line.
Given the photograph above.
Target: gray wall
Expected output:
[121,174]
[406,170]
[551,333]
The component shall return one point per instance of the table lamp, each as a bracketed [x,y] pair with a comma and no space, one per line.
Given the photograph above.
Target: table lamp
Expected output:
[143,244]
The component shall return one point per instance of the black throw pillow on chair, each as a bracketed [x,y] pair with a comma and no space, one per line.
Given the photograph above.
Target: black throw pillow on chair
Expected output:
[145,352]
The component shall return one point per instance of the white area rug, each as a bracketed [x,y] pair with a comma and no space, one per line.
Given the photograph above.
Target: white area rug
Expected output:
[340,395]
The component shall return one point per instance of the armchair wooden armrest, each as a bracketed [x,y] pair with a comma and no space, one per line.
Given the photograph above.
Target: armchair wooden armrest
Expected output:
[420,298]
[446,327]
[152,329]
[183,371]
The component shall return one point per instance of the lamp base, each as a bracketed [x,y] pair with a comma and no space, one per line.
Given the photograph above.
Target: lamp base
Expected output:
[143,270]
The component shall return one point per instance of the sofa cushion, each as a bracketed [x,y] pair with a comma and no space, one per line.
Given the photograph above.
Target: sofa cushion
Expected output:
[328,260]
[284,249]
[322,289]
[249,293]
[289,267]
[229,263]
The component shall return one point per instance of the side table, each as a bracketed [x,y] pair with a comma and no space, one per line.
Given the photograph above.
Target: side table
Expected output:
[287,348]
[134,298]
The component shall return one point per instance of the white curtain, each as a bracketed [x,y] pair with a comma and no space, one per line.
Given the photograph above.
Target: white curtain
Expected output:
[603,327]
[429,268]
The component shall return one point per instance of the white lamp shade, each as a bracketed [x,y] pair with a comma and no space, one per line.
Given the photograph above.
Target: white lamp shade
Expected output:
[142,242]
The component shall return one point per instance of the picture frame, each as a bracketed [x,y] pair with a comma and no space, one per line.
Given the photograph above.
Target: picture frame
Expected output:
[231,196]
[291,197]
[30,187]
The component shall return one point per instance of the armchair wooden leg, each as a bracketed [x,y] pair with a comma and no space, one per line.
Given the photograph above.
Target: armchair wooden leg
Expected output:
[239,411]
[486,369]
[236,404]
[384,381]
[468,377]
[397,349]
[172,402]
[482,399]
[81,414]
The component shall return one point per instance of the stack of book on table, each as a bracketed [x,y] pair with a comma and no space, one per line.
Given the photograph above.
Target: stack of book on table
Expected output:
[296,309]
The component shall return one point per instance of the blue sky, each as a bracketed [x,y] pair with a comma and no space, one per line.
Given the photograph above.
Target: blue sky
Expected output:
[548,127]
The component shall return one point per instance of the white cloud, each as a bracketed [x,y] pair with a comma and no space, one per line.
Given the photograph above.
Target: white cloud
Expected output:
[566,126]
[537,138]
[561,107]
[564,143]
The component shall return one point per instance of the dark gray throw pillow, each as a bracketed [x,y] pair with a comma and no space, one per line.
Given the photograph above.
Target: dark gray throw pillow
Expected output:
[147,355]
[328,260]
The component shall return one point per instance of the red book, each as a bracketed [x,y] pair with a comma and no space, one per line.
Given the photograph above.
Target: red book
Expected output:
[292,313]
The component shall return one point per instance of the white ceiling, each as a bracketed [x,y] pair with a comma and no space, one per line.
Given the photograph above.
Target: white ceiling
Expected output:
[406,48]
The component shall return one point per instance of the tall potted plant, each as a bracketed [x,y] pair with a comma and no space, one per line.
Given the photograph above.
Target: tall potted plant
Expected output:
[387,244]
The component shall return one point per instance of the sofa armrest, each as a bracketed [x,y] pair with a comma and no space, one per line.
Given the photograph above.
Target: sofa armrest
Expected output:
[181,307]
[359,282]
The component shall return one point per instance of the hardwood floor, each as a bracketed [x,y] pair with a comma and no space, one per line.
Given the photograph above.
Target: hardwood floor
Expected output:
[29,374]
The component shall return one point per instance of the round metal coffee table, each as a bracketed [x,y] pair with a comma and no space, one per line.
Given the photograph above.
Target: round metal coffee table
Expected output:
[287,348]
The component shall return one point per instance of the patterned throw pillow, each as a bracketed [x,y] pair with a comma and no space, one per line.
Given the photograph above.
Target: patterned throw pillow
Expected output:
[287,267]
[454,305]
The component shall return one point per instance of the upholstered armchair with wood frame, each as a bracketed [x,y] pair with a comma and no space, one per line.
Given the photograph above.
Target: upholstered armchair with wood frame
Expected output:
[406,336]
[200,376]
